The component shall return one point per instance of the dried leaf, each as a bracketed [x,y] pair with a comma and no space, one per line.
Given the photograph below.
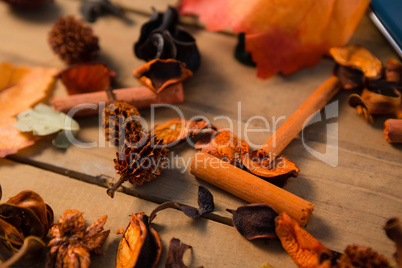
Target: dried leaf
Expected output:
[43,120]
[162,38]
[205,205]
[224,145]
[282,36]
[176,253]
[86,78]
[140,245]
[11,75]
[255,221]
[359,58]
[158,74]
[303,248]
[25,91]
[178,129]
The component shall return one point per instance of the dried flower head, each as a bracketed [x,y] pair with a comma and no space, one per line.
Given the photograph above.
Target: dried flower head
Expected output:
[26,3]
[140,162]
[121,121]
[71,244]
[73,41]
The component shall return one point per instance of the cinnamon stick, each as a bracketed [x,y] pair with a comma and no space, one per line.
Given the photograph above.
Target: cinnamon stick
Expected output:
[140,97]
[249,187]
[393,130]
[294,124]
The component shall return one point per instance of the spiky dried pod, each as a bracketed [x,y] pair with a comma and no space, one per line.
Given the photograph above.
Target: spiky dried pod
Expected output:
[139,162]
[121,121]
[73,41]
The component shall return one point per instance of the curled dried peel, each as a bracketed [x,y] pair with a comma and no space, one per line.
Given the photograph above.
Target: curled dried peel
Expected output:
[224,145]
[379,102]
[178,129]
[140,244]
[276,172]
[360,58]
[158,74]
[303,248]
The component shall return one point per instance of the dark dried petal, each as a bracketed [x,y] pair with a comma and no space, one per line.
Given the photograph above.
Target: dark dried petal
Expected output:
[86,78]
[205,203]
[276,172]
[28,254]
[161,38]
[158,74]
[255,221]
[176,253]
[91,10]
[205,200]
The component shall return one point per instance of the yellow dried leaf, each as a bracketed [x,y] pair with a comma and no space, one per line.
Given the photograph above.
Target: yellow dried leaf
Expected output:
[23,88]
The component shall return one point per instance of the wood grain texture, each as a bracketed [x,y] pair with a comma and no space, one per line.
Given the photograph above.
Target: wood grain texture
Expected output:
[352,199]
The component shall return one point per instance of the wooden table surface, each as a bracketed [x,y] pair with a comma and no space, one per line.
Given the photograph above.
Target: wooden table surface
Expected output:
[352,200]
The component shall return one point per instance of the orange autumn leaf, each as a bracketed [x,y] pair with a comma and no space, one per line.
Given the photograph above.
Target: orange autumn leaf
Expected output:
[282,35]
[22,88]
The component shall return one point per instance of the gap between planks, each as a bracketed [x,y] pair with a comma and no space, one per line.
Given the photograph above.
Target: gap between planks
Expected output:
[106,182]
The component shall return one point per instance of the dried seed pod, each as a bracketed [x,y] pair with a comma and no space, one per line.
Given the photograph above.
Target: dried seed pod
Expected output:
[393,71]
[359,58]
[140,245]
[22,216]
[71,245]
[73,41]
[162,38]
[224,145]
[393,229]
[26,4]
[158,74]
[120,121]
[176,253]
[349,77]
[376,101]
[255,221]
[362,257]
[140,162]
[92,9]
[277,171]
[178,129]
[303,248]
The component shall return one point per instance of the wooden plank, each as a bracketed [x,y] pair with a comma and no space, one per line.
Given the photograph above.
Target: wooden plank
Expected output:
[352,200]
[209,239]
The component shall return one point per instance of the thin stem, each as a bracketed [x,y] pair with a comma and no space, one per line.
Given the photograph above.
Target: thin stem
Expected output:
[110,192]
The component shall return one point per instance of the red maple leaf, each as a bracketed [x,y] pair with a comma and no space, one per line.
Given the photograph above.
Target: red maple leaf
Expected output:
[282,35]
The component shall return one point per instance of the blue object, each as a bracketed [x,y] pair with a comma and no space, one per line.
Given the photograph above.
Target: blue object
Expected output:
[387,16]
